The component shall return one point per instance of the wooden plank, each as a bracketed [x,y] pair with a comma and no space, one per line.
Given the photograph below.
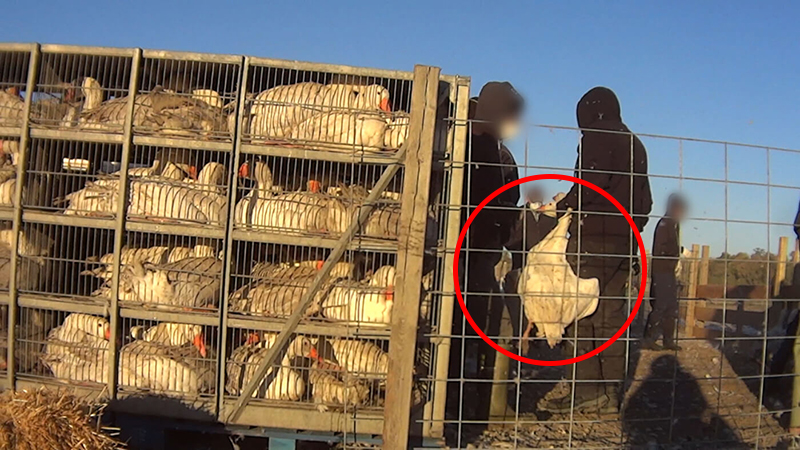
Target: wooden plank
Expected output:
[436,412]
[753,319]
[741,292]
[796,252]
[411,252]
[692,291]
[780,269]
[704,264]
[297,416]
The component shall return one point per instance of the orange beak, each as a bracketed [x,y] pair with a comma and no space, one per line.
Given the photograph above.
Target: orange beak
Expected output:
[252,338]
[314,186]
[389,294]
[199,342]
[385,105]
[320,264]
[107,333]
[193,172]
[244,170]
[13,91]
[314,354]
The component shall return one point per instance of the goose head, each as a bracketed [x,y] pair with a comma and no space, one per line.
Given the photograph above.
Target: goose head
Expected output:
[92,325]
[372,97]
[302,347]
[314,186]
[137,332]
[86,89]
[13,90]
[258,171]
[198,339]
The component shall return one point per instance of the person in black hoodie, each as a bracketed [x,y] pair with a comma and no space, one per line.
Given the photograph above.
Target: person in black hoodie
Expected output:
[611,157]
[493,117]
[664,288]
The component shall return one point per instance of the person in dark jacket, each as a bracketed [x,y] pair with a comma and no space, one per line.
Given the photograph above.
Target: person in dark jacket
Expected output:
[493,117]
[601,243]
[664,286]
[530,228]
[797,223]
[490,166]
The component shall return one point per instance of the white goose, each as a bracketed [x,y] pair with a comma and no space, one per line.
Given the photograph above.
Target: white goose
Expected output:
[33,246]
[77,350]
[100,197]
[396,133]
[148,255]
[553,296]
[328,388]
[189,283]
[12,107]
[159,111]
[310,212]
[365,131]
[9,153]
[148,365]
[202,201]
[357,303]
[283,384]
[361,358]
[275,298]
[172,335]
[277,110]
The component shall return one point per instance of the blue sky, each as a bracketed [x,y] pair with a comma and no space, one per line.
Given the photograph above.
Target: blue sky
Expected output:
[714,70]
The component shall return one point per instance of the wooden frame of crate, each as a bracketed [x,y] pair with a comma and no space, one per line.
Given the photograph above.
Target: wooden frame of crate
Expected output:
[427,157]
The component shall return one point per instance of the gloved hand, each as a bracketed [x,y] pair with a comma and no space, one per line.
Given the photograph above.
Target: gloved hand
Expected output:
[636,268]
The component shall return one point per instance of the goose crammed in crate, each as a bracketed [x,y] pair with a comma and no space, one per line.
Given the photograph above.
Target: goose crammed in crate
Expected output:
[170,190]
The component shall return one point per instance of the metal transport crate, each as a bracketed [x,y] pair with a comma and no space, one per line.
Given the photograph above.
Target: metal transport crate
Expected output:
[221,237]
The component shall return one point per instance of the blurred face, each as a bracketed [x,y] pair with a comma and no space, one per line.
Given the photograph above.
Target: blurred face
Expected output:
[679,213]
[510,128]
[534,196]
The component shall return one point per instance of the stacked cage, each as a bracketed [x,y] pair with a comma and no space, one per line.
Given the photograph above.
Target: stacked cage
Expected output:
[123,221]
[175,211]
[313,143]
[14,69]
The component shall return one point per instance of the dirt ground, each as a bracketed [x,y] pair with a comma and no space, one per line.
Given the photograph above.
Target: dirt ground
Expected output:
[696,400]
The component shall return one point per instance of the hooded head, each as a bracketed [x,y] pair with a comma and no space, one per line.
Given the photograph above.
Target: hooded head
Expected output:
[599,104]
[499,110]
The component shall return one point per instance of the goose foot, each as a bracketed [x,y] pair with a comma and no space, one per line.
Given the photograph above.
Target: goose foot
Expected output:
[524,344]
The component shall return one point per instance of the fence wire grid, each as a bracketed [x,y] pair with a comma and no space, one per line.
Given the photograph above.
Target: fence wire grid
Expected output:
[729,385]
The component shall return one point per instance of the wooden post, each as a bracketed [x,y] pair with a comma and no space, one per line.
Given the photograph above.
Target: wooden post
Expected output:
[796,253]
[692,291]
[780,269]
[704,255]
[410,255]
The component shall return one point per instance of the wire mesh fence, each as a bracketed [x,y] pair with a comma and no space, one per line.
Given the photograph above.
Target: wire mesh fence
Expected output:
[735,314]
